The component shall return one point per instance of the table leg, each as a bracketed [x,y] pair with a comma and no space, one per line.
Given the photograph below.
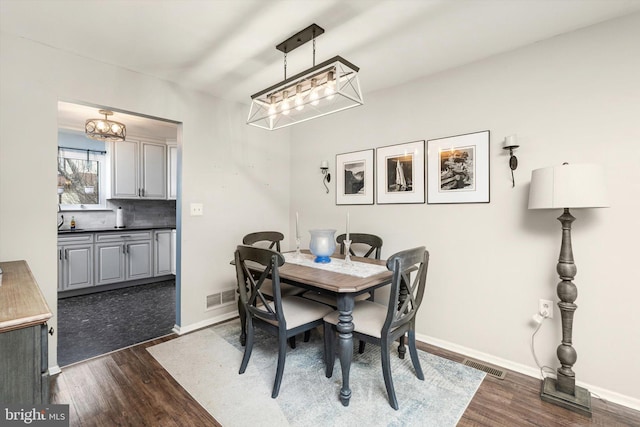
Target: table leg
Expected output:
[345,343]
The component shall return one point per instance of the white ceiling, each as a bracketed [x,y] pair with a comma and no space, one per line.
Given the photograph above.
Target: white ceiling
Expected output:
[227,47]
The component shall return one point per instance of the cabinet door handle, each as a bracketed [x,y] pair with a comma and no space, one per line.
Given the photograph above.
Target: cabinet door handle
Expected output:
[143,192]
[139,192]
[60,254]
[124,249]
[66,254]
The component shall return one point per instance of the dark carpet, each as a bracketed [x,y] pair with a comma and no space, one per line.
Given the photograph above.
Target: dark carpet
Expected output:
[95,324]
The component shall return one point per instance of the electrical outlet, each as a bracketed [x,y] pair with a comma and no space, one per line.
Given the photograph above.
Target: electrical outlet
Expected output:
[197,209]
[545,306]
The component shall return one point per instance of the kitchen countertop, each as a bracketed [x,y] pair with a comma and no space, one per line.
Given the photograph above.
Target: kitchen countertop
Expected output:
[66,231]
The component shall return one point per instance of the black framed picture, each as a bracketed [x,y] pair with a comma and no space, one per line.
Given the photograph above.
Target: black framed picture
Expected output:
[354,178]
[458,169]
[400,173]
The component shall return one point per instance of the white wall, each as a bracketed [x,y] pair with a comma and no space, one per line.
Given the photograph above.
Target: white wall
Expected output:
[228,166]
[573,98]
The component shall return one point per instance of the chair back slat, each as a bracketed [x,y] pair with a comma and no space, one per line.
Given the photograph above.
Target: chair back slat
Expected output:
[254,266]
[272,237]
[406,293]
[374,244]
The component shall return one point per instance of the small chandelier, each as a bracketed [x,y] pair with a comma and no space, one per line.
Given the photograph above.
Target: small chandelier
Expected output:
[323,89]
[104,129]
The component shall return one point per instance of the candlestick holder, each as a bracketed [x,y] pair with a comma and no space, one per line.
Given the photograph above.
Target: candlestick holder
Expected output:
[298,255]
[347,252]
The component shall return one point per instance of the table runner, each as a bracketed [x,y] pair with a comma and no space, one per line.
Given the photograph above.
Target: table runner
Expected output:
[358,269]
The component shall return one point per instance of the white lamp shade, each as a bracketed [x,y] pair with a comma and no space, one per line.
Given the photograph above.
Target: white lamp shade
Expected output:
[568,186]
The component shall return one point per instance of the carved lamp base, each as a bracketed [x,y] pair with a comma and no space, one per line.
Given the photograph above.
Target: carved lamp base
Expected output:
[580,403]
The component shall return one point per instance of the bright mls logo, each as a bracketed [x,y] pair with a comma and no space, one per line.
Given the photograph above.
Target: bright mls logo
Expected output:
[35,415]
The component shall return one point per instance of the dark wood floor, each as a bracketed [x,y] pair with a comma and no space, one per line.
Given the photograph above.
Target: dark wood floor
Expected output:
[129,388]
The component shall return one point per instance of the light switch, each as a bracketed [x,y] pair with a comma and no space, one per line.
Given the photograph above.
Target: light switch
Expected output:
[197,209]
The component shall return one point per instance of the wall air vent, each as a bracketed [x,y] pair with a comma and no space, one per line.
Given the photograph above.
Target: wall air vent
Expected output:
[221,299]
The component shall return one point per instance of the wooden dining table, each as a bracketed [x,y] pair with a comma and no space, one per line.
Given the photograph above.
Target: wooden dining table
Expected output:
[344,287]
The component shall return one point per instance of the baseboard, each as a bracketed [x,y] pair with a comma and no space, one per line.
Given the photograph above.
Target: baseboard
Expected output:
[599,392]
[181,330]
[54,370]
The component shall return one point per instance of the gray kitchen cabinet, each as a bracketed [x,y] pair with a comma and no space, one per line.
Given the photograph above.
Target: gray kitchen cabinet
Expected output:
[154,170]
[138,170]
[75,262]
[125,163]
[172,172]
[162,252]
[110,262]
[123,256]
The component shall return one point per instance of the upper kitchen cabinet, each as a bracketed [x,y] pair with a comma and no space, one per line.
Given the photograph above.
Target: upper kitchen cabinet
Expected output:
[172,167]
[138,170]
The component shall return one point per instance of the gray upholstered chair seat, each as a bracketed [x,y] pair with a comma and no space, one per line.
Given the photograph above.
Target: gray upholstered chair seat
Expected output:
[298,311]
[368,318]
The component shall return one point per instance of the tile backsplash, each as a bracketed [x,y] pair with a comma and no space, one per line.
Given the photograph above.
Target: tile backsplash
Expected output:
[136,213]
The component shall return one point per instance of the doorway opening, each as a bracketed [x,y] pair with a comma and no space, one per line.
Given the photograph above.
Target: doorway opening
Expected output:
[118,284]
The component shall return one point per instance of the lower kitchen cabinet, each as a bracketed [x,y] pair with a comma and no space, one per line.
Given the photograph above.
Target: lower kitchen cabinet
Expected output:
[75,262]
[163,252]
[110,262]
[139,260]
[110,257]
[123,256]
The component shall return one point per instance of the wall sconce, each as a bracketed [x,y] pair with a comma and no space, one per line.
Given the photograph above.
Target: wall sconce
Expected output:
[511,143]
[324,167]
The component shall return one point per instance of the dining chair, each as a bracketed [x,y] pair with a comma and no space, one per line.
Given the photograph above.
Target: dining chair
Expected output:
[271,240]
[370,244]
[382,325]
[283,317]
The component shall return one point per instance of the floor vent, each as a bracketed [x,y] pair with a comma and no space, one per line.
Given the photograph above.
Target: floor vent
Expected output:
[222,298]
[493,371]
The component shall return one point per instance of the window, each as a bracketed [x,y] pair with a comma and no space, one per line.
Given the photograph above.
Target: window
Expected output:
[81,179]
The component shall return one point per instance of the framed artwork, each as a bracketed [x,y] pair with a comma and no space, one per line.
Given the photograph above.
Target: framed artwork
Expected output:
[400,173]
[458,169]
[354,178]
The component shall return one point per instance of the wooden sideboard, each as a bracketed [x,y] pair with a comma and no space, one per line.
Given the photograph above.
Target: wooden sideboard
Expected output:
[23,337]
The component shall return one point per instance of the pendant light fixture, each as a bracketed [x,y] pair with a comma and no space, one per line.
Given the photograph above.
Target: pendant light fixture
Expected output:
[323,89]
[105,129]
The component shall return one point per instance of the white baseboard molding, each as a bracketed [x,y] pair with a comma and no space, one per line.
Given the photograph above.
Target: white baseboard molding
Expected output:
[604,394]
[54,370]
[181,330]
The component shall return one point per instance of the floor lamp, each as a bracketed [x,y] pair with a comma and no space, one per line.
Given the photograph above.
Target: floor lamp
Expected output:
[564,187]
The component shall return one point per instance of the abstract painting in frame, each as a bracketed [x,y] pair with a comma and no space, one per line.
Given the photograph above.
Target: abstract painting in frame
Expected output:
[354,178]
[400,173]
[458,169]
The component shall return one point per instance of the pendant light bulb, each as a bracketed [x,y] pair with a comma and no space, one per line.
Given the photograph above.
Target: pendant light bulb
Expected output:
[285,103]
[272,107]
[299,99]
[330,89]
[313,96]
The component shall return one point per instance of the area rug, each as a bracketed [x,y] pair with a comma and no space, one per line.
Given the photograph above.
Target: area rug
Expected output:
[206,364]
